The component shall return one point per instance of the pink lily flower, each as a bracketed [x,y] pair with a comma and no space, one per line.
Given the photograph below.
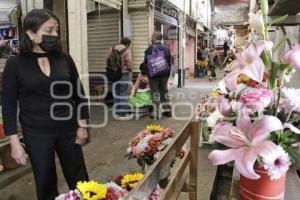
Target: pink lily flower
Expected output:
[224,106]
[248,63]
[246,140]
[293,57]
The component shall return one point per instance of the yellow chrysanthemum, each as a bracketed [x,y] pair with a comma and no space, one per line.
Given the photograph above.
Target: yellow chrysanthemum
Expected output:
[131,180]
[154,128]
[92,190]
[215,93]
[244,78]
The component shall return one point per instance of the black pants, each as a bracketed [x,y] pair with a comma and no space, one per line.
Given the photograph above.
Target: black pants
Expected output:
[159,90]
[41,149]
[212,70]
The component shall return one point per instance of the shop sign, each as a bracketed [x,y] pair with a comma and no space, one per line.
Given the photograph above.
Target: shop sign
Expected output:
[166,8]
[127,28]
[190,22]
[172,34]
[29,5]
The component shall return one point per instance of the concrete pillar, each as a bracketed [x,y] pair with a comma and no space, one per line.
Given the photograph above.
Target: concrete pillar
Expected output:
[28,5]
[182,37]
[151,21]
[59,9]
[77,21]
[48,4]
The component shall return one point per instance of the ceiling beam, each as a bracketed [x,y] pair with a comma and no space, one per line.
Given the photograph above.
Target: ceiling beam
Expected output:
[290,20]
[282,7]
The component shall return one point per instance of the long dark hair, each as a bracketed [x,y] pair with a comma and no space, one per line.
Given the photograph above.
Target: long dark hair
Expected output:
[33,21]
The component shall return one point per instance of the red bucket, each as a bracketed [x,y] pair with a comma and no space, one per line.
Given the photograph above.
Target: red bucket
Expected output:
[263,188]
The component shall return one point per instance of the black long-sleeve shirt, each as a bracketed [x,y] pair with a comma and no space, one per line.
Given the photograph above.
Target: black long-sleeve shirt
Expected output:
[27,87]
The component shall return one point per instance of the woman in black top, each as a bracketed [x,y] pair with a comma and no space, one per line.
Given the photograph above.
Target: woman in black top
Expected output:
[42,82]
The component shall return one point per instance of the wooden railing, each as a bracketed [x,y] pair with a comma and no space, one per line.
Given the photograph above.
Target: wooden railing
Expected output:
[184,171]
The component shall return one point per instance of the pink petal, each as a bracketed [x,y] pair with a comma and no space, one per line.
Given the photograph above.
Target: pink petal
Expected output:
[222,86]
[243,121]
[292,128]
[246,57]
[244,161]
[263,127]
[261,45]
[255,70]
[220,157]
[267,150]
[231,80]
[293,57]
[221,134]
[224,106]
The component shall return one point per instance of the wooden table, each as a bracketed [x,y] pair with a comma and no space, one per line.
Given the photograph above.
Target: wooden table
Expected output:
[292,186]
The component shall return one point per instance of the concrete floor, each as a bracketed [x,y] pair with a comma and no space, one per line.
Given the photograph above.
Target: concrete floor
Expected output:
[105,154]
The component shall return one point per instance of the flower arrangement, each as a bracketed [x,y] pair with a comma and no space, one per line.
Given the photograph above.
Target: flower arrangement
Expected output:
[259,116]
[72,195]
[92,190]
[113,190]
[202,64]
[130,181]
[145,147]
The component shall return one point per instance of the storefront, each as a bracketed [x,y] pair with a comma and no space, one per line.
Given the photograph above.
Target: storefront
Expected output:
[190,49]
[104,30]
[147,17]
[9,42]
[166,21]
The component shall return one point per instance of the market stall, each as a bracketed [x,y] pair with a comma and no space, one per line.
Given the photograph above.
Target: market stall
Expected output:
[9,42]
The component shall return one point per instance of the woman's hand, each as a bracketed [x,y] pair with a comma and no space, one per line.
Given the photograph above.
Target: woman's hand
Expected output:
[82,136]
[132,93]
[17,150]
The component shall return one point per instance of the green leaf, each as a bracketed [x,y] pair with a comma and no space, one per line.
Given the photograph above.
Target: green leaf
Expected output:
[280,43]
[278,20]
[273,76]
[294,155]
[266,59]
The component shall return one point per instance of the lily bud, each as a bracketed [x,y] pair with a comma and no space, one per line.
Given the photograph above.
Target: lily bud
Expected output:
[264,7]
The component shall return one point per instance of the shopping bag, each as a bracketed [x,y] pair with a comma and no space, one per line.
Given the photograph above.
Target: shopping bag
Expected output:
[157,63]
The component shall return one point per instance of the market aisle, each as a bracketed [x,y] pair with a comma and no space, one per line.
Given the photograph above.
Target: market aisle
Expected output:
[105,154]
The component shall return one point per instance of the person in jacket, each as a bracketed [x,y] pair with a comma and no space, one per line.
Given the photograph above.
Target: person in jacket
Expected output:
[159,84]
[41,82]
[121,94]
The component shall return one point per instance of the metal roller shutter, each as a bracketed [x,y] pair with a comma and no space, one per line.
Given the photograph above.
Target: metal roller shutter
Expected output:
[117,4]
[140,36]
[103,32]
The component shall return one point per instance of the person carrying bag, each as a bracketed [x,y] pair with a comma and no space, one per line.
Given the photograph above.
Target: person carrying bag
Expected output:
[157,62]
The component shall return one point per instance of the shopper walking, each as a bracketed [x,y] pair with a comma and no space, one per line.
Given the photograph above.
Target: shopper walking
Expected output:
[121,86]
[225,49]
[158,56]
[42,82]
[212,64]
[205,52]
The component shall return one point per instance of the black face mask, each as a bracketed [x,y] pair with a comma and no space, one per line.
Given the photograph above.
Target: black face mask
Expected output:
[49,43]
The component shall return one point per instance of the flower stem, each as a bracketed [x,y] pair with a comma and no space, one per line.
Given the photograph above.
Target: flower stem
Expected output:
[279,91]
[289,116]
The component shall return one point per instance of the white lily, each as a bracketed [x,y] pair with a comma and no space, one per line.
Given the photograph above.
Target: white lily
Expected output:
[256,21]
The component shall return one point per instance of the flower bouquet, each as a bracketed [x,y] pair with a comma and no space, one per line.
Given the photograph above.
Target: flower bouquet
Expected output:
[208,113]
[148,144]
[113,190]
[201,66]
[260,117]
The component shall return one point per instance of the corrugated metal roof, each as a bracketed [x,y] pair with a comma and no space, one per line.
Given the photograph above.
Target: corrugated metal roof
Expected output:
[6,6]
[230,2]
